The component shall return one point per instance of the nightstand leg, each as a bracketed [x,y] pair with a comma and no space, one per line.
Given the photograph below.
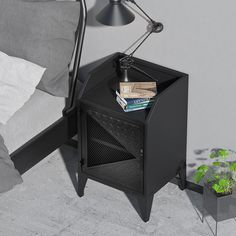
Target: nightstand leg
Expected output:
[142,204]
[145,206]
[216,232]
[82,180]
[182,176]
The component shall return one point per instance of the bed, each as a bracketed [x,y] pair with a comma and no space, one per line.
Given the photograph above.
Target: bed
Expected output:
[41,111]
[50,120]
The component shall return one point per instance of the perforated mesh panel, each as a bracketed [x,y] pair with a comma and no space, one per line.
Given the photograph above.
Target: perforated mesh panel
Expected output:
[111,140]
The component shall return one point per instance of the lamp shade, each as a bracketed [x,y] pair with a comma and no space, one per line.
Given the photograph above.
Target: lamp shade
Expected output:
[115,14]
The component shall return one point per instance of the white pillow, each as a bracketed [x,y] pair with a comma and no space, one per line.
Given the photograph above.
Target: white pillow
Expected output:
[18,80]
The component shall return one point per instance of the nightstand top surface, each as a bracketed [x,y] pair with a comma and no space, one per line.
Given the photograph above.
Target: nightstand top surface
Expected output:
[102,93]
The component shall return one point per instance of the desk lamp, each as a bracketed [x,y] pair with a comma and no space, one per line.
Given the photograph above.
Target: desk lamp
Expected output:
[116,14]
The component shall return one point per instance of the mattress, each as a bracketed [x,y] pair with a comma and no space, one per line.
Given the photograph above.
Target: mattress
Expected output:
[37,114]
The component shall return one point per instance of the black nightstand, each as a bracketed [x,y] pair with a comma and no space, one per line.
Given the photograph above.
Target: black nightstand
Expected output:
[136,152]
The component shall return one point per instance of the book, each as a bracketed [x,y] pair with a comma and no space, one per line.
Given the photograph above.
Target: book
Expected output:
[137,109]
[131,101]
[134,107]
[138,89]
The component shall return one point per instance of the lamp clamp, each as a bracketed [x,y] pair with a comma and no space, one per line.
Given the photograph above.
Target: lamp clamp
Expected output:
[126,62]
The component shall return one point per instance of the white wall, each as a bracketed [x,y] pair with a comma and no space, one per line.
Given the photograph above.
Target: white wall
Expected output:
[199,39]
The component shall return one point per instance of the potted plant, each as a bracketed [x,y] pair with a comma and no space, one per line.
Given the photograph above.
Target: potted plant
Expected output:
[219,178]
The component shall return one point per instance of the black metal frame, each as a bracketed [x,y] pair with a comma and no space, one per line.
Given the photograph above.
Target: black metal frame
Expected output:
[65,128]
[128,151]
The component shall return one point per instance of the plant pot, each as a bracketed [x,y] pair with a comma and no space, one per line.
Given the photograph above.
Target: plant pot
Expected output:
[219,207]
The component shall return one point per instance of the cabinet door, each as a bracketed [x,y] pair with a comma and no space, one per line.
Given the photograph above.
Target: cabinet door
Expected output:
[111,140]
[112,149]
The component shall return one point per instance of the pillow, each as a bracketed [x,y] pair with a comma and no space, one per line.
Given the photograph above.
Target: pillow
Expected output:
[9,176]
[42,32]
[18,80]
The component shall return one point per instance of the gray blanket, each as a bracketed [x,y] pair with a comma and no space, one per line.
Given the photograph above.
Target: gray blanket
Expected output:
[9,176]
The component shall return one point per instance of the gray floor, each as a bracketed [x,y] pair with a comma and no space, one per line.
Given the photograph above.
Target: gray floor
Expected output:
[46,204]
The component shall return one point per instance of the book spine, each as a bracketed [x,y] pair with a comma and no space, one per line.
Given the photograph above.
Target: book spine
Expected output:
[131,101]
[138,101]
[133,107]
[136,109]
[120,102]
[144,101]
[139,105]
[122,99]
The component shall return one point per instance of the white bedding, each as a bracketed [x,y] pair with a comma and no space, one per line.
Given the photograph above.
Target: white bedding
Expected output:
[18,80]
[38,113]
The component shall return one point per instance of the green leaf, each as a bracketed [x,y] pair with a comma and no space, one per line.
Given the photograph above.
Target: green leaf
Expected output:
[213,155]
[233,167]
[224,183]
[216,177]
[218,163]
[203,168]
[218,188]
[200,173]
[223,153]
[198,177]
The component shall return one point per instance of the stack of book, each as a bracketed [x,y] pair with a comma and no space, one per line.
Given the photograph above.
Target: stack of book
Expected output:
[136,96]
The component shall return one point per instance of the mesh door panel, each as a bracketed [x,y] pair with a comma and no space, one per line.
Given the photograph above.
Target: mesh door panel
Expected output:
[110,140]
[102,148]
[128,135]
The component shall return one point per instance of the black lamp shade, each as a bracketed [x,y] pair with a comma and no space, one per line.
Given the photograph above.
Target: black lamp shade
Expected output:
[115,14]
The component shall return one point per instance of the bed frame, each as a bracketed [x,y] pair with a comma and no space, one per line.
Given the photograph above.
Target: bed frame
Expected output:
[63,130]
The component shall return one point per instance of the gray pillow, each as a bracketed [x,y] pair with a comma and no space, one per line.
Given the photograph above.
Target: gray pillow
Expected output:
[42,32]
[9,176]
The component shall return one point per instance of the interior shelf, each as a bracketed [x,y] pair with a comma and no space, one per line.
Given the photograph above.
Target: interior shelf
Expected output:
[128,174]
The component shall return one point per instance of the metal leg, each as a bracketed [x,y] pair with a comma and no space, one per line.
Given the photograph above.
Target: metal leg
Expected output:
[182,176]
[142,204]
[145,206]
[82,180]
[212,229]
[216,232]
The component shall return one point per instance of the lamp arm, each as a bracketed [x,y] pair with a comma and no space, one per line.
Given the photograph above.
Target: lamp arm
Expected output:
[140,44]
[157,27]
[127,62]
[134,2]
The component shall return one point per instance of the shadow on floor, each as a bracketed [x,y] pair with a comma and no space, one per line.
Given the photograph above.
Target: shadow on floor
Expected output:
[70,158]
[196,200]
